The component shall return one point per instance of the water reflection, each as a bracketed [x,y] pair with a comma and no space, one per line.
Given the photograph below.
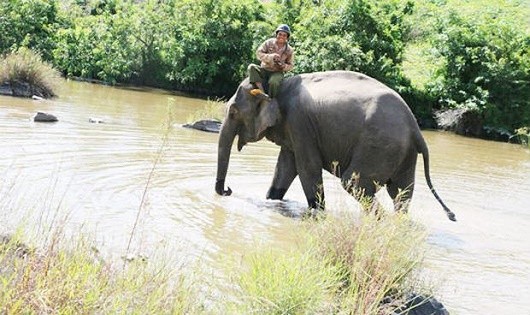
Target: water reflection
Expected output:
[139,175]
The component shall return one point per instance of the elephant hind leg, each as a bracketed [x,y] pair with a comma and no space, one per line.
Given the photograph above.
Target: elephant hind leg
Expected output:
[363,190]
[400,188]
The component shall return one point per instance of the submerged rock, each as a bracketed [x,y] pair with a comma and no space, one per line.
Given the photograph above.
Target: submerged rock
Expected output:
[418,305]
[95,120]
[44,117]
[208,125]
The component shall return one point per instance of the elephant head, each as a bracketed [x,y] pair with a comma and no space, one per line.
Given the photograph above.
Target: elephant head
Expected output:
[248,115]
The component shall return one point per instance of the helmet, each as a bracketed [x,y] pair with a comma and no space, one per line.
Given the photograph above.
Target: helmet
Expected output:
[283,28]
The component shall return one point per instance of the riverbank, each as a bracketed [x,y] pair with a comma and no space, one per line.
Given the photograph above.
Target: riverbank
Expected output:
[340,264]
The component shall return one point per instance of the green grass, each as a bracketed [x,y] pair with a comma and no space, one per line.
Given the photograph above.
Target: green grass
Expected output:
[340,266]
[293,282]
[26,67]
[73,279]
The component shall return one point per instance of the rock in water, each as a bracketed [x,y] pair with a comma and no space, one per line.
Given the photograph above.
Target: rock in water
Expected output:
[209,125]
[421,305]
[44,117]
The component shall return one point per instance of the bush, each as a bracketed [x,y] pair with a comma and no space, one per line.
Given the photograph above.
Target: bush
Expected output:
[486,69]
[99,46]
[353,35]
[26,68]
[215,43]
[31,24]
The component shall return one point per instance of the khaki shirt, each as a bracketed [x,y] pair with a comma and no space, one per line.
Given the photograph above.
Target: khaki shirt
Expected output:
[266,51]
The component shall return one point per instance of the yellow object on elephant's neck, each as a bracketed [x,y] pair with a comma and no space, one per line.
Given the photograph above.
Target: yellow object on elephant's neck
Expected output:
[256,92]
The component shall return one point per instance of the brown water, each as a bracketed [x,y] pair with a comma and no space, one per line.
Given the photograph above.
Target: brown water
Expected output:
[93,177]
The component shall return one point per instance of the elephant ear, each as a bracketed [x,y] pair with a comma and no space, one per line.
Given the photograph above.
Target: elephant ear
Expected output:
[269,114]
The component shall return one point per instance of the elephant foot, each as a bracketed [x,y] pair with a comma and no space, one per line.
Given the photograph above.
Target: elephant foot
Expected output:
[317,204]
[276,193]
[220,188]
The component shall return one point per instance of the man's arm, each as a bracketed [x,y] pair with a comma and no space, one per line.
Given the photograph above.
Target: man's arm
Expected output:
[289,62]
[263,55]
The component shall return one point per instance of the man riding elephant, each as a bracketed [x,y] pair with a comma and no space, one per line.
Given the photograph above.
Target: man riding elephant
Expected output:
[276,56]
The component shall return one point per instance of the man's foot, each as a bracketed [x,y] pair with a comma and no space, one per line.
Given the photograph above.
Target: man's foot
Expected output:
[256,92]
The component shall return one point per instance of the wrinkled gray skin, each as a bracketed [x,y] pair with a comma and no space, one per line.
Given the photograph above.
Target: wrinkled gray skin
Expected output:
[344,122]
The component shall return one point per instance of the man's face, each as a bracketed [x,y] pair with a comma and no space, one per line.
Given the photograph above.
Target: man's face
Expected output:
[282,37]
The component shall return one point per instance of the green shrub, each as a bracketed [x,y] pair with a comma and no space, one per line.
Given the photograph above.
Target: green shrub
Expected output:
[486,69]
[30,24]
[215,43]
[27,67]
[99,46]
[352,35]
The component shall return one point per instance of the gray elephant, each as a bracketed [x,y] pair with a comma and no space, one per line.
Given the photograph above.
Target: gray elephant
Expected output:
[344,122]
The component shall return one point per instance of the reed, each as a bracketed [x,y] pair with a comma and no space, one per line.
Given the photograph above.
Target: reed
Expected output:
[24,66]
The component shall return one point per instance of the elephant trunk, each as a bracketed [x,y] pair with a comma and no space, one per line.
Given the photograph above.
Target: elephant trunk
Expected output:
[226,139]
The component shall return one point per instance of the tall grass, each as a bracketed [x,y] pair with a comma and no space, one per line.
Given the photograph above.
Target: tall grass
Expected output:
[73,279]
[341,266]
[26,67]
[276,282]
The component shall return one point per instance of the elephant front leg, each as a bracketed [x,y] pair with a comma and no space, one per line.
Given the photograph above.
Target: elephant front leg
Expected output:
[311,179]
[284,175]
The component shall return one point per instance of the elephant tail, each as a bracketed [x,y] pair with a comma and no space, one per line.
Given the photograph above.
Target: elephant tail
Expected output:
[425,153]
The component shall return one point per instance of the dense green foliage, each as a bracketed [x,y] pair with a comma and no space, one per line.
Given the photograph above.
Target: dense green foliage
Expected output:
[353,35]
[30,24]
[487,69]
[437,54]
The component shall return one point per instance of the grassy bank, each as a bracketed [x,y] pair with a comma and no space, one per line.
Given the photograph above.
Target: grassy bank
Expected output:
[27,74]
[72,279]
[339,265]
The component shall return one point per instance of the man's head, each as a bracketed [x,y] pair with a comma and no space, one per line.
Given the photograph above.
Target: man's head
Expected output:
[283,30]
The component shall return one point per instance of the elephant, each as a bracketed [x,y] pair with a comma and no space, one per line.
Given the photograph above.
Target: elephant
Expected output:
[344,122]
